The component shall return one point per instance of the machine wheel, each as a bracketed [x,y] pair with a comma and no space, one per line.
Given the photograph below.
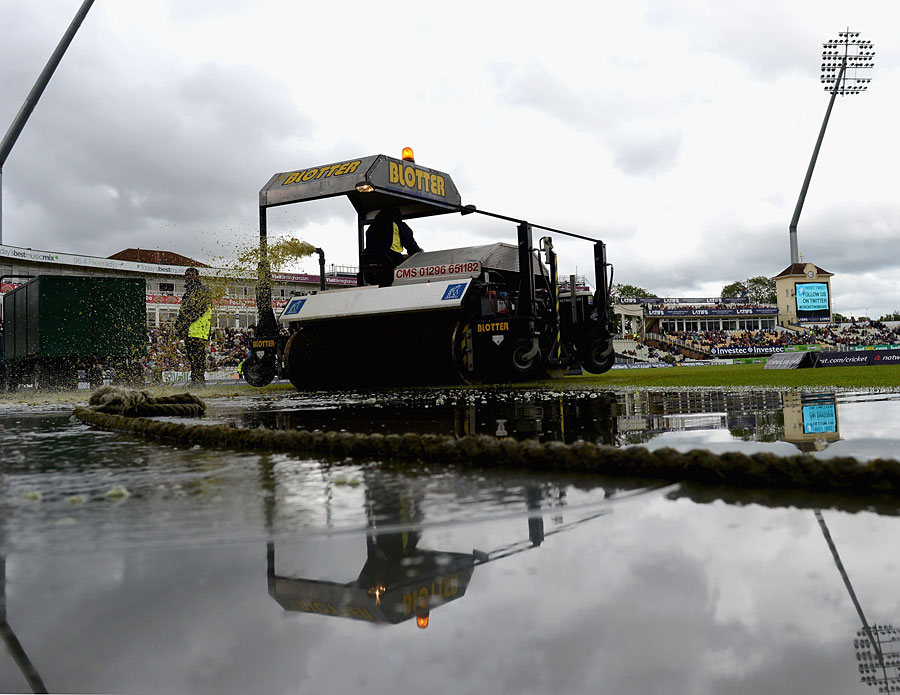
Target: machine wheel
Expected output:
[258,371]
[526,367]
[600,356]
[461,353]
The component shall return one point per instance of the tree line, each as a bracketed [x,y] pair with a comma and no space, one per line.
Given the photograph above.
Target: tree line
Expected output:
[759,290]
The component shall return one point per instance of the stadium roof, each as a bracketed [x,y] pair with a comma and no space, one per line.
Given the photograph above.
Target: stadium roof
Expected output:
[153,256]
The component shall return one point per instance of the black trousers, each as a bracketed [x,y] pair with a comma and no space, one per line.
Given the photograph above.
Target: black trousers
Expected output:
[196,354]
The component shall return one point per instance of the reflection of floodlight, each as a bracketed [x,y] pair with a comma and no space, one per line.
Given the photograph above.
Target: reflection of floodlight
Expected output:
[846,56]
[876,651]
[879,660]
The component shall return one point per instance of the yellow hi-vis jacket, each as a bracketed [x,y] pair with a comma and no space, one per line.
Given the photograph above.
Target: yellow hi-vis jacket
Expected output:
[200,327]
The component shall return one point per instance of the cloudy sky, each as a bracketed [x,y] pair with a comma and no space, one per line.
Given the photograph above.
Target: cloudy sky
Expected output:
[679,133]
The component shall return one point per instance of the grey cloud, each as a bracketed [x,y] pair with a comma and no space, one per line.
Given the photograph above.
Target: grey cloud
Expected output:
[793,663]
[127,148]
[594,650]
[852,238]
[787,46]
[847,241]
[725,255]
[842,238]
[199,10]
[532,86]
[609,116]
[652,154]
[148,159]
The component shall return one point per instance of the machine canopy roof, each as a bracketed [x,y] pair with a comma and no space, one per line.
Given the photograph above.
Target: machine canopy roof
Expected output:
[416,190]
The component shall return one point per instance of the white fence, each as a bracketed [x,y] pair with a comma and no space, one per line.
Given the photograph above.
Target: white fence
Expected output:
[225,375]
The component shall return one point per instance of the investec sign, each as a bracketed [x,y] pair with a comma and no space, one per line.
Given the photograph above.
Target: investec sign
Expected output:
[746,350]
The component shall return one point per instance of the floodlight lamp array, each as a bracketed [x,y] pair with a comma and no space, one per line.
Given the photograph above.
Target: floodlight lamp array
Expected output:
[846,56]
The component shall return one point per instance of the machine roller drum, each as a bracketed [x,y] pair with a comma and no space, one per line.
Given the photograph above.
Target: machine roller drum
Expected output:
[404,348]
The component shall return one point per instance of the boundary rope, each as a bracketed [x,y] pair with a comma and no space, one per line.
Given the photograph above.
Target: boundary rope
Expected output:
[761,470]
[117,400]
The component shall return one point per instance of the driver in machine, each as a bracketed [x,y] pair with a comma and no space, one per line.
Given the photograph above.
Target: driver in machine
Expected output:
[389,234]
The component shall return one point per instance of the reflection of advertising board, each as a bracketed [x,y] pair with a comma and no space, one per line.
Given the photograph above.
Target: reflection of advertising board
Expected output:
[812,301]
[819,417]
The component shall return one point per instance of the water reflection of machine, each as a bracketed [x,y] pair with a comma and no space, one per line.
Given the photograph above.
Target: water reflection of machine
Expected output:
[391,588]
[590,418]
[7,634]
[561,419]
[811,420]
[399,579]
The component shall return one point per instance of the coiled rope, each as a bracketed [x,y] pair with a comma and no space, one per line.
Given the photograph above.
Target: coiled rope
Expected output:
[761,470]
[117,400]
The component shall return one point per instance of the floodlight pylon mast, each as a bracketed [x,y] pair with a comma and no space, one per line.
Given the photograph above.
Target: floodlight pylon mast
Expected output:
[37,90]
[835,57]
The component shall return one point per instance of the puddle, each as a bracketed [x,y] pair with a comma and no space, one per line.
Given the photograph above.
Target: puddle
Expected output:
[137,567]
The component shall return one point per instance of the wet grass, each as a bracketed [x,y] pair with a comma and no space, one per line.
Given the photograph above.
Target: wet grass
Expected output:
[710,376]
[744,375]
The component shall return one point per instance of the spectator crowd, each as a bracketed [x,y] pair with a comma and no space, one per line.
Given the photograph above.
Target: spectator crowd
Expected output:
[165,351]
[829,337]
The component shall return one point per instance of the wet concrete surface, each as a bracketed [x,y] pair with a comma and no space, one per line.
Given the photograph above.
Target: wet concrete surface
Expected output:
[137,567]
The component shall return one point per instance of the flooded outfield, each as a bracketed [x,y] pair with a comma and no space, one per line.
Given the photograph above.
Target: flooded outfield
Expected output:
[136,567]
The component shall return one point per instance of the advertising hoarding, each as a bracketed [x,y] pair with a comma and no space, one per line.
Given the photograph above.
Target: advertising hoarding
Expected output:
[812,302]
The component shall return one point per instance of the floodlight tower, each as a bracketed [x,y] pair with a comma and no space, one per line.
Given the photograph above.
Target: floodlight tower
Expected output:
[845,61]
[37,90]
